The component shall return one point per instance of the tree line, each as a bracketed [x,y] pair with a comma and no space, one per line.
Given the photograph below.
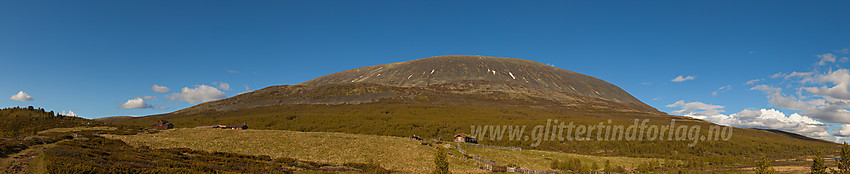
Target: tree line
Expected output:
[842,163]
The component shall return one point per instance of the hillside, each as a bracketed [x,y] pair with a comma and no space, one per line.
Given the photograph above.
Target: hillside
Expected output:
[37,141]
[406,98]
[394,153]
[28,121]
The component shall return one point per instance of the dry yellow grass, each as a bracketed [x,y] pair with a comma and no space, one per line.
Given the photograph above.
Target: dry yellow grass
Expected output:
[542,160]
[76,129]
[394,153]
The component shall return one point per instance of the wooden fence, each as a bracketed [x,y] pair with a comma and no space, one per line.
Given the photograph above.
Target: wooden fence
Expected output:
[495,167]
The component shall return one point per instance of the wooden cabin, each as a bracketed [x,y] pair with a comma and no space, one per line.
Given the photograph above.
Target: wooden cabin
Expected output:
[235,127]
[465,139]
[162,125]
[499,169]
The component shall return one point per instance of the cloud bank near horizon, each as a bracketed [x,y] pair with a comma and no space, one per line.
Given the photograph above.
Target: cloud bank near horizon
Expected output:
[821,99]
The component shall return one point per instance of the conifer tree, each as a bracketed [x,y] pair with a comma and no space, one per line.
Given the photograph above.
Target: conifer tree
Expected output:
[818,164]
[844,161]
[763,166]
[441,163]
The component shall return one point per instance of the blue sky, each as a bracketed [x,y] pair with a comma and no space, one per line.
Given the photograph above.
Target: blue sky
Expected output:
[93,57]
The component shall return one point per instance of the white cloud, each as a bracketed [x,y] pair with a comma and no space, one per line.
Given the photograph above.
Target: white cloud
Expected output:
[753,81]
[773,119]
[805,75]
[69,113]
[824,58]
[201,93]
[762,118]
[21,96]
[695,108]
[136,103]
[160,89]
[844,131]
[149,97]
[799,74]
[826,109]
[775,97]
[840,78]
[722,89]
[682,79]
[821,97]
[646,83]
[247,89]
[224,86]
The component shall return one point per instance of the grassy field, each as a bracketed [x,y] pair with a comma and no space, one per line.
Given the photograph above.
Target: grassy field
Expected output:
[445,121]
[536,159]
[72,129]
[394,153]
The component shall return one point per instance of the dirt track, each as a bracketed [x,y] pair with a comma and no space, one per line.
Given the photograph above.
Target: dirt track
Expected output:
[20,162]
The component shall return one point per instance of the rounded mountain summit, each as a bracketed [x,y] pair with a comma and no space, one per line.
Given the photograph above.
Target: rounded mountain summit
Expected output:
[454,79]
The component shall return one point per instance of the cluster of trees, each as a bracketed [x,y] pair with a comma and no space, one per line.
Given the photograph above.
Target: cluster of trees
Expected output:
[819,164]
[842,164]
[576,165]
[763,166]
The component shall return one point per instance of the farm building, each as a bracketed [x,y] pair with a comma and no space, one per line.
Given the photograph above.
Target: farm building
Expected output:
[465,139]
[236,127]
[162,125]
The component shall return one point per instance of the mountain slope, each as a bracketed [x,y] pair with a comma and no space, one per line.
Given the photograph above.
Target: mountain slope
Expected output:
[477,73]
[442,79]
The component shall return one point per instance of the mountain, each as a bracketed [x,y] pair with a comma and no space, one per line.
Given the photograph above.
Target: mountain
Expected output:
[449,76]
[469,74]
[443,96]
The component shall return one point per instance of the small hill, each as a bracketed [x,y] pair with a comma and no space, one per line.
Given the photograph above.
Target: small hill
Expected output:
[113,118]
[28,121]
